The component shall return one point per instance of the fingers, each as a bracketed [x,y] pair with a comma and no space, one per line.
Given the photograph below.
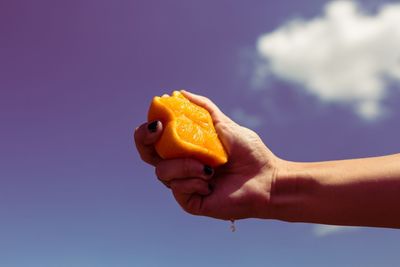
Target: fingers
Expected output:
[190,194]
[190,203]
[189,181]
[174,169]
[190,186]
[145,137]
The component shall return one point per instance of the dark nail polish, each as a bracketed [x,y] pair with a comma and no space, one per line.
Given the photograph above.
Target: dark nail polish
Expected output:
[208,170]
[152,127]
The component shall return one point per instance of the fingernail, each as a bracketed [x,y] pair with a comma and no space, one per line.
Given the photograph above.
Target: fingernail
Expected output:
[152,127]
[208,170]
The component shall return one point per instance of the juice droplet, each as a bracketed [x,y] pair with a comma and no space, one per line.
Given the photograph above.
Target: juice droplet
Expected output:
[233,227]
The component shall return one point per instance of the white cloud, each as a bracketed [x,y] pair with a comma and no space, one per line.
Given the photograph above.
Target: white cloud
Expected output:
[345,55]
[324,230]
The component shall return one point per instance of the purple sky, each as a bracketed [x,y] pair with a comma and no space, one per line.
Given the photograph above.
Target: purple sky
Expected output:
[76,77]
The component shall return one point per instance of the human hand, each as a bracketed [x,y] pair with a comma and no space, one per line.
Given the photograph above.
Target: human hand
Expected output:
[238,189]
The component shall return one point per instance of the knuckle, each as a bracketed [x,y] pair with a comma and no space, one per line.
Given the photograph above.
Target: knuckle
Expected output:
[147,157]
[186,208]
[144,157]
[172,184]
[137,134]
[159,171]
[190,208]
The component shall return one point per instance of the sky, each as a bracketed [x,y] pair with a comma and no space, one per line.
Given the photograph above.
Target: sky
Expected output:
[318,80]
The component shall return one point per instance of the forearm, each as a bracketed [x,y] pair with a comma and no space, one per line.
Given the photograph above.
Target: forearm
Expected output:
[363,192]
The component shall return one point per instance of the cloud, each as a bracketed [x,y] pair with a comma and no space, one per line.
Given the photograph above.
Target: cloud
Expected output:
[343,56]
[324,230]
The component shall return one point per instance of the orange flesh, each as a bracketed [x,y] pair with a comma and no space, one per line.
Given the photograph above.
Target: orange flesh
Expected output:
[188,130]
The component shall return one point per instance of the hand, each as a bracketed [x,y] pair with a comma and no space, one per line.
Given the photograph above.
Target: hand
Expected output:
[239,189]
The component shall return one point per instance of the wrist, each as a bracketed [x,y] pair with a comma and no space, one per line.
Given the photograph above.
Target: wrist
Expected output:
[292,191]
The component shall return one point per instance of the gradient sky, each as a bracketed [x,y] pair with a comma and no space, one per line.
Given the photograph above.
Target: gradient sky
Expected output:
[77,76]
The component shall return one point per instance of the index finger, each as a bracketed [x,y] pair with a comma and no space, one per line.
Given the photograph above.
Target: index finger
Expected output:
[145,136]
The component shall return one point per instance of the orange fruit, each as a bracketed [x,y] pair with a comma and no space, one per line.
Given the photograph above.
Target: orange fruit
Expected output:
[188,130]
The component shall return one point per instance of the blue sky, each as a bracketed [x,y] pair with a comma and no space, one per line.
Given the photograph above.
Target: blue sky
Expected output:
[76,77]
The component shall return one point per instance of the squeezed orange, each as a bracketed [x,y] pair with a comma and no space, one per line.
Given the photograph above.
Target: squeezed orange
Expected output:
[188,130]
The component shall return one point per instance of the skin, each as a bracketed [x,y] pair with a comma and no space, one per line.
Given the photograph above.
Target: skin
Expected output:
[358,192]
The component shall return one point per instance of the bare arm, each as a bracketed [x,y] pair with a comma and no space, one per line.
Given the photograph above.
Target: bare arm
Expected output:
[363,192]
[257,184]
